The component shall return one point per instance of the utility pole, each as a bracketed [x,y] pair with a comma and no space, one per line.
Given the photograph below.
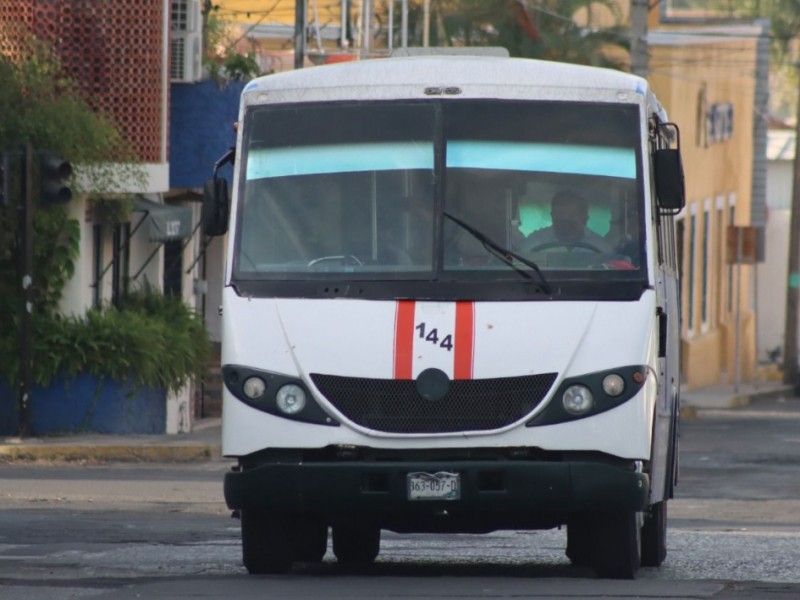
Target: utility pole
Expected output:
[26,278]
[404,24]
[366,38]
[790,330]
[639,10]
[299,33]
[345,16]
[426,23]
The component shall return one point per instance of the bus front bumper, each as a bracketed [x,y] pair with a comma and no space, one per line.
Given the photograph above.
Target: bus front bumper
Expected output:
[380,489]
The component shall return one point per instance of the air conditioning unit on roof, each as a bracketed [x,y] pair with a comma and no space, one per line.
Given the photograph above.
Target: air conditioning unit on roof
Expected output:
[184,65]
[185,41]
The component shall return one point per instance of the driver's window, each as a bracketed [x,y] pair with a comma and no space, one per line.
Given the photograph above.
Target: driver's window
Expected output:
[580,222]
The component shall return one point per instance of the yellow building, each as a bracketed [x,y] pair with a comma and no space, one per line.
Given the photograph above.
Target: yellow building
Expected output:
[707,78]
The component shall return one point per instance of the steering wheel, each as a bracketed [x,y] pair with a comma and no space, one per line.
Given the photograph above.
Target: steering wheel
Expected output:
[570,246]
[346,259]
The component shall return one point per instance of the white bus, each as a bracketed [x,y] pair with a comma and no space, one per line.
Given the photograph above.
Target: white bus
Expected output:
[450,305]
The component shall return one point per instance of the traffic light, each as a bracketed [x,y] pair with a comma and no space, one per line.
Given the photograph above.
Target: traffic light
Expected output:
[53,173]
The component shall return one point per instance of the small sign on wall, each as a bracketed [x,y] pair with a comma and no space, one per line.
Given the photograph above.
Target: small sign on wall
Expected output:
[741,245]
[719,122]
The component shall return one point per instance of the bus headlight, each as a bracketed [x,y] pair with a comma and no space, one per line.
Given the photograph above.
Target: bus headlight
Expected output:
[577,400]
[254,387]
[613,385]
[291,399]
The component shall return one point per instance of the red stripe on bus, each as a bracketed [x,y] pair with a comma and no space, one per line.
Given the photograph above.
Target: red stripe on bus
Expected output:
[465,340]
[403,339]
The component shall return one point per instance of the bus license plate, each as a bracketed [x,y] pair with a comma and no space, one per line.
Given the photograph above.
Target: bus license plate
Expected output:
[434,486]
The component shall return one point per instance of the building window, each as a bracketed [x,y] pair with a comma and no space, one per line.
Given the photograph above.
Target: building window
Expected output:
[120,266]
[173,268]
[722,233]
[731,221]
[705,300]
[690,274]
[97,247]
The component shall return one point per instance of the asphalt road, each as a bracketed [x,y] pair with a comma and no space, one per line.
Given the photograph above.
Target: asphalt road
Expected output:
[740,468]
[162,531]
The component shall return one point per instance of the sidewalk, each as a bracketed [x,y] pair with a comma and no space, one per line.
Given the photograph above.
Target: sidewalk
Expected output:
[728,396]
[202,444]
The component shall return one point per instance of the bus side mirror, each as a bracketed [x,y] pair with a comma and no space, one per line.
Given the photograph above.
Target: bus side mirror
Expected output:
[214,215]
[670,189]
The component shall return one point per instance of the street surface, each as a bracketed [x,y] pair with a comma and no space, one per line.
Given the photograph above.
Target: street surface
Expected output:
[162,531]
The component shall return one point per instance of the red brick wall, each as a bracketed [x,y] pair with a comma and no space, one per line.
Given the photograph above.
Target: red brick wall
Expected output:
[114,49]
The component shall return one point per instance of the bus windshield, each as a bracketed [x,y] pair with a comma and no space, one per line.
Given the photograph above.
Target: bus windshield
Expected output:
[360,191]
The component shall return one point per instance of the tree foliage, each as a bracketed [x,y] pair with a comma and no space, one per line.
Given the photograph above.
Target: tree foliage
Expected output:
[49,111]
[784,20]
[156,341]
[545,29]
[783,15]
[43,107]
[220,57]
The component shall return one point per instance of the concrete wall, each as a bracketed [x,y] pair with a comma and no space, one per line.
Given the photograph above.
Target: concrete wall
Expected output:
[772,275]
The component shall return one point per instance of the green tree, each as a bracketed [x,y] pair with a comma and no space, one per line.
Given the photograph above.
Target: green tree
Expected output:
[44,107]
[545,29]
[784,19]
[220,57]
[154,341]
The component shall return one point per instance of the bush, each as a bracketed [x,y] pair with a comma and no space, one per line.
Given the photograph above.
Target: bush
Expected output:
[154,341]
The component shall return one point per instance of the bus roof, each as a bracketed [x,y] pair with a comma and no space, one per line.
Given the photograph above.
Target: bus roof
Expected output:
[465,76]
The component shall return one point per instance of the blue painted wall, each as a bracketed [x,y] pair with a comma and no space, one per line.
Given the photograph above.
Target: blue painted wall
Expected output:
[201,129]
[84,404]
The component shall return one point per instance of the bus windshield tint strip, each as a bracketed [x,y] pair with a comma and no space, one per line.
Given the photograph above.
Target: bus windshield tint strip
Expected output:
[607,161]
[347,158]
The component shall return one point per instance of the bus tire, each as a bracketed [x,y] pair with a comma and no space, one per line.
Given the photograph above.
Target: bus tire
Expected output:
[579,541]
[311,541]
[267,542]
[654,535]
[356,543]
[616,549]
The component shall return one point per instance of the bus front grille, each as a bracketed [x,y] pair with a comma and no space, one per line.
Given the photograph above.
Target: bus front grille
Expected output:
[394,406]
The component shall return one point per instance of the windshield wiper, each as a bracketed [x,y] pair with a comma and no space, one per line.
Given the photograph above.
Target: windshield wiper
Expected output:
[502,253]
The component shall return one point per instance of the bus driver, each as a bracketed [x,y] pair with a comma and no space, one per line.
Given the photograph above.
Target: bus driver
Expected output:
[570,214]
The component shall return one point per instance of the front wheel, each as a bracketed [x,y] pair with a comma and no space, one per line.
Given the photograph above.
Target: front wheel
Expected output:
[311,541]
[617,539]
[267,542]
[580,541]
[654,535]
[356,543]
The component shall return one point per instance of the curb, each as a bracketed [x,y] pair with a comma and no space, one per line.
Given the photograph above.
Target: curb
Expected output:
[784,391]
[691,407]
[110,452]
